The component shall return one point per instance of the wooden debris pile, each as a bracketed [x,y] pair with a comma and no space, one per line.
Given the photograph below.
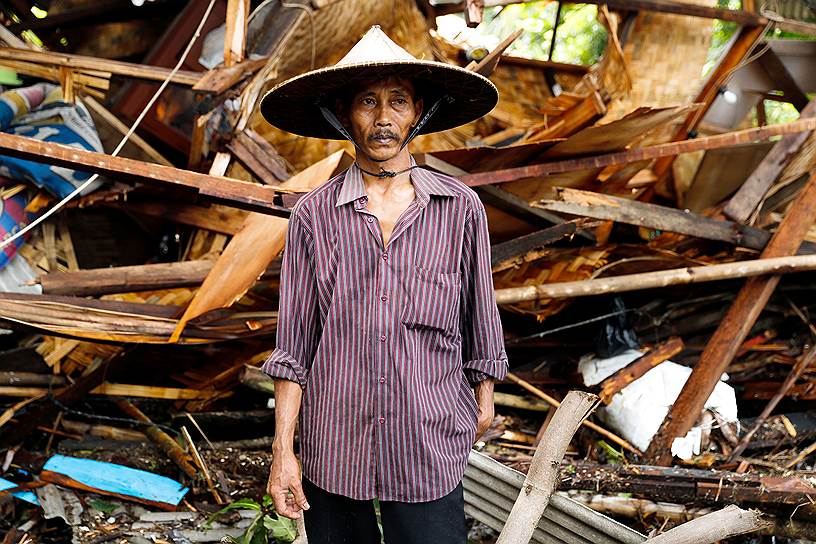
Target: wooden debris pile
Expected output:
[640,207]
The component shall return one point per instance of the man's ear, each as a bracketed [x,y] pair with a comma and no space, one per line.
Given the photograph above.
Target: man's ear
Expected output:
[418,106]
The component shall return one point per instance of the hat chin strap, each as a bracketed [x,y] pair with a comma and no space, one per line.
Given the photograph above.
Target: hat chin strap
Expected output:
[329,116]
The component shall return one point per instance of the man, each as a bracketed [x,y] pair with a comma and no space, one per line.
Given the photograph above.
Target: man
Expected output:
[387,315]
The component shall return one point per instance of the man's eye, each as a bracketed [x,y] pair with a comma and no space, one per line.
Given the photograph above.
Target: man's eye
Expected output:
[400,101]
[368,101]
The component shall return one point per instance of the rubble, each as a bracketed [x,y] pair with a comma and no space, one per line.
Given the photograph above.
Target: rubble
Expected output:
[639,207]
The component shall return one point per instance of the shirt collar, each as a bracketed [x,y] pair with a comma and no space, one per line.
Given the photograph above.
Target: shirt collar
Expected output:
[425,183]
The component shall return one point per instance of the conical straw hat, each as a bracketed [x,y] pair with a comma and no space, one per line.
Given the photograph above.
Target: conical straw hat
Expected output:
[294,105]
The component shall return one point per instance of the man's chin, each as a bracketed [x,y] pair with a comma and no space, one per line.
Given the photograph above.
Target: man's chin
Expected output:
[382,153]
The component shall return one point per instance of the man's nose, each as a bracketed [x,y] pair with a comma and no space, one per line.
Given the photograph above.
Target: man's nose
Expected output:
[383,117]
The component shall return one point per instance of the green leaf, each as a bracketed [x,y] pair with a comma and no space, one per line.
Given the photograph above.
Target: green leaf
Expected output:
[267,501]
[281,529]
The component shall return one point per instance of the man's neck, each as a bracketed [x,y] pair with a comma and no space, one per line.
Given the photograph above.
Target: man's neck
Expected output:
[402,161]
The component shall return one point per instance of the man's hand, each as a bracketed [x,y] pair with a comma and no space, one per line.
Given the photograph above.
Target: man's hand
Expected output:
[284,477]
[484,399]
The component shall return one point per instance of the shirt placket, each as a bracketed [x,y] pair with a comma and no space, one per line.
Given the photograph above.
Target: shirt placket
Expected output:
[383,329]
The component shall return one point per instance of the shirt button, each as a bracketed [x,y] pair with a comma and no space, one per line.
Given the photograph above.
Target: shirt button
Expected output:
[385,256]
[370,220]
[382,420]
[382,379]
[384,298]
[382,338]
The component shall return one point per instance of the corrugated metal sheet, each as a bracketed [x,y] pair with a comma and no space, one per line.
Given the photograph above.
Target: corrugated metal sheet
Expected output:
[491,490]
[792,9]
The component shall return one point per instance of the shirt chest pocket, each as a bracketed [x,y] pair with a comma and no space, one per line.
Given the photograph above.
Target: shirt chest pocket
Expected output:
[432,300]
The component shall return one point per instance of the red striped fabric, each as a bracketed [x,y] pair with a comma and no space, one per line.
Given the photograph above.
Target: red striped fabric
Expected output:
[386,341]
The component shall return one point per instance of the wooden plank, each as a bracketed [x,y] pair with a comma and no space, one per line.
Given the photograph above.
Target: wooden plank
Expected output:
[264,162]
[517,247]
[748,197]
[632,212]
[486,66]
[783,79]
[657,279]
[734,328]
[634,155]
[219,80]
[79,62]
[216,218]
[120,390]
[237,193]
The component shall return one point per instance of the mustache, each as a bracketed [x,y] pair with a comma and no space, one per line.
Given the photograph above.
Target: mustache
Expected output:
[383,133]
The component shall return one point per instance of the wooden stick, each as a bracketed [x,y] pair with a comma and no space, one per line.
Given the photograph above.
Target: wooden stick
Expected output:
[801,365]
[634,155]
[79,62]
[104,431]
[588,424]
[728,522]
[658,279]
[160,438]
[801,457]
[734,328]
[637,368]
[199,461]
[542,478]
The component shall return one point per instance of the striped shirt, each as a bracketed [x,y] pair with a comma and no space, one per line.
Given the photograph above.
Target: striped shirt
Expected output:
[386,341]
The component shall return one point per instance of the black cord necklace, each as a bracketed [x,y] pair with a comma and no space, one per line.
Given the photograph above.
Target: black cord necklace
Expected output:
[386,173]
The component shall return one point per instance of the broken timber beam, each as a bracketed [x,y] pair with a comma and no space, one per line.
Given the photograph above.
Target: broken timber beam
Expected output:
[634,155]
[128,279]
[734,328]
[653,216]
[657,279]
[81,63]
[233,192]
[783,79]
[750,194]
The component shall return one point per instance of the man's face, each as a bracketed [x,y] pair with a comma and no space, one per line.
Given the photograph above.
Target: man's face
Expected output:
[380,116]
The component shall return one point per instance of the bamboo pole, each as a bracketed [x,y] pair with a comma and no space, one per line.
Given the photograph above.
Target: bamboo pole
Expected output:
[658,279]
[542,477]
[588,424]
[730,521]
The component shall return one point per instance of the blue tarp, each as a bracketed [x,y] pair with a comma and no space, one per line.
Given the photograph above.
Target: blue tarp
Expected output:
[118,479]
[27,496]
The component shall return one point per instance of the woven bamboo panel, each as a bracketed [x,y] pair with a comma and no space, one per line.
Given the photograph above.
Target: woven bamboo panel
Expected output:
[555,265]
[664,55]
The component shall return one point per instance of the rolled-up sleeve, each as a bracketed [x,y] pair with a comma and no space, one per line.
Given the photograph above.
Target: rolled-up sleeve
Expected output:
[483,352]
[298,328]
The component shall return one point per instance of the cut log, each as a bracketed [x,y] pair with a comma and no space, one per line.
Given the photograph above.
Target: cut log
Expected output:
[542,477]
[505,254]
[729,336]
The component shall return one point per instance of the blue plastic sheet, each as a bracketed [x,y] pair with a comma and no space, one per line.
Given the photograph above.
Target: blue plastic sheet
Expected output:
[118,479]
[26,496]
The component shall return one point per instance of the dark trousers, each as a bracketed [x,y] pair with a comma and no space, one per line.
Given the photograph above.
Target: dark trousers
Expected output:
[335,519]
